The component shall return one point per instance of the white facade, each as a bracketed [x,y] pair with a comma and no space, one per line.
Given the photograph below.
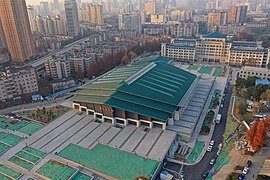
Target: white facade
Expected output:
[248,71]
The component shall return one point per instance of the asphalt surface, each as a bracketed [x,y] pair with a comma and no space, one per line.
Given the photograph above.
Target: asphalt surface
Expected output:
[196,172]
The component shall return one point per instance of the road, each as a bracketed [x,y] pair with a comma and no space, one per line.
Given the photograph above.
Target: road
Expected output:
[196,172]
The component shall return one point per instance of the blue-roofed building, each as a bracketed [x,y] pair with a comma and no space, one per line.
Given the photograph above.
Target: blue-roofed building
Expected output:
[216,47]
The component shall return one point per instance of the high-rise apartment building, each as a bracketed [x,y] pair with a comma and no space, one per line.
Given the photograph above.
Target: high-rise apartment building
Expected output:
[16,28]
[130,22]
[44,8]
[2,38]
[237,14]
[95,14]
[150,7]
[31,16]
[215,19]
[72,20]
[57,68]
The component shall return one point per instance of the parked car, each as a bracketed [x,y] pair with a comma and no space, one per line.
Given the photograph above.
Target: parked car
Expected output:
[209,149]
[212,142]
[220,145]
[218,152]
[205,174]
[212,162]
[245,170]
[241,177]
[249,163]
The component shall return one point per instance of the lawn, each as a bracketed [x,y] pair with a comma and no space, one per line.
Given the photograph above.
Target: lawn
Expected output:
[196,152]
[45,115]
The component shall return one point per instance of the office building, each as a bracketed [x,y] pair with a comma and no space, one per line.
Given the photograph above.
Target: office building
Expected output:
[16,28]
[130,22]
[216,47]
[150,7]
[237,14]
[72,20]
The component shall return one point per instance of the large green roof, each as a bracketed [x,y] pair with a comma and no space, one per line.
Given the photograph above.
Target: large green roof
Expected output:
[151,87]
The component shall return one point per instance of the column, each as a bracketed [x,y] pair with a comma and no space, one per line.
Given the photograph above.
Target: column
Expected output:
[176,116]
[170,121]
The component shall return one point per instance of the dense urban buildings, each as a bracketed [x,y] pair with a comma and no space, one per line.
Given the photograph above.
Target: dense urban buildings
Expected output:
[16,83]
[16,30]
[216,47]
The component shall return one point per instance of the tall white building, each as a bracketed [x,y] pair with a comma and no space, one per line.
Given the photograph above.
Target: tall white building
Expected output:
[72,20]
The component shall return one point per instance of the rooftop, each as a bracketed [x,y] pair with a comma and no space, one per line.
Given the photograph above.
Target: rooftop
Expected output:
[249,49]
[215,35]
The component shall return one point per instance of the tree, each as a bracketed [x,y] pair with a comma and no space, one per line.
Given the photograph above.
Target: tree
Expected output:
[260,137]
[245,94]
[132,55]
[125,60]
[250,134]
[242,107]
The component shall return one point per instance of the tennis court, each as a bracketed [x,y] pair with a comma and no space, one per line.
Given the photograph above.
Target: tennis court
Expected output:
[219,71]
[7,141]
[56,170]
[81,176]
[30,128]
[193,67]
[110,161]
[8,173]
[27,158]
[205,70]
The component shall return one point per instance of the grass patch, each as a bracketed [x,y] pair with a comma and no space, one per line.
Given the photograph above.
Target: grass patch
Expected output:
[196,152]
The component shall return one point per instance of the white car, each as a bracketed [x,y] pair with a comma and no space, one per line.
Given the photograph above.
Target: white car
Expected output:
[212,162]
[212,142]
[218,152]
[220,145]
[209,149]
[245,170]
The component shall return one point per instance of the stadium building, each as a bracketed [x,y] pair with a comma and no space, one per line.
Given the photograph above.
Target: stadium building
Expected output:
[150,93]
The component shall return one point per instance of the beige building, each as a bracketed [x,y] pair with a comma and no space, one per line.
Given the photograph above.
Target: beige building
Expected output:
[16,28]
[95,14]
[215,47]
[248,71]
[150,7]
[157,18]
[15,83]
[237,14]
